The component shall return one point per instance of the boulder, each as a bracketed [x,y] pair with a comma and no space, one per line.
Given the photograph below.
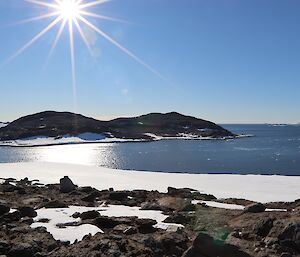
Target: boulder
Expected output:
[55,204]
[4,247]
[255,208]
[118,196]
[91,197]
[106,222]
[146,225]
[21,249]
[152,206]
[263,226]
[3,209]
[290,236]
[180,192]
[89,215]
[179,218]
[12,216]
[204,245]
[173,203]
[27,211]
[66,185]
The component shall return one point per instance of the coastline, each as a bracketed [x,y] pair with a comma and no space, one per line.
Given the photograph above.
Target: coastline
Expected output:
[260,188]
[77,141]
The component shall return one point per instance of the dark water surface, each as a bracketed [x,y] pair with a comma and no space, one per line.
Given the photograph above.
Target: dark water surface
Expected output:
[273,150]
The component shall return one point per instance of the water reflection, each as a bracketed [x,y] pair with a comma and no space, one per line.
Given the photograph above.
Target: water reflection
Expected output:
[88,154]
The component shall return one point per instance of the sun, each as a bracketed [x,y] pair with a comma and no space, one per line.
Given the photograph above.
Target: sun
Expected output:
[72,15]
[69,9]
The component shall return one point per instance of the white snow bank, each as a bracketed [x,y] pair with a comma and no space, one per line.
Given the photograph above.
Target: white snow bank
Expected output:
[252,187]
[230,206]
[3,124]
[66,139]
[64,215]
[184,136]
[72,233]
[220,205]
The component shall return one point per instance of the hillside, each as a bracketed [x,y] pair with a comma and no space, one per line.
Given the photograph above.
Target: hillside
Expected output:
[149,126]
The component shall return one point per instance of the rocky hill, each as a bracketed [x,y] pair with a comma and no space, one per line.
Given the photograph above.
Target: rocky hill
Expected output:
[168,125]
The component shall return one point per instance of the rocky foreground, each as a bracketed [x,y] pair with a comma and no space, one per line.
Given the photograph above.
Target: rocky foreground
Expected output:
[207,231]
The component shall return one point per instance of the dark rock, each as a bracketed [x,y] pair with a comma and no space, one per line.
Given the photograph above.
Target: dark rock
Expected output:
[290,236]
[179,218]
[204,245]
[55,204]
[12,216]
[173,203]
[263,226]
[66,185]
[203,197]
[8,188]
[106,222]
[4,209]
[146,225]
[180,192]
[91,197]
[118,196]
[286,255]
[89,215]
[4,247]
[255,208]
[43,220]
[76,215]
[21,250]
[152,206]
[188,207]
[27,220]
[27,211]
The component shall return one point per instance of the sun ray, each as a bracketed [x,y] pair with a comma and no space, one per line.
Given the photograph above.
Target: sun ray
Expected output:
[72,14]
[102,17]
[37,18]
[83,6]
[83,37]
[59,32]
[125,50]
[55,6]
[72,53]
[34,39]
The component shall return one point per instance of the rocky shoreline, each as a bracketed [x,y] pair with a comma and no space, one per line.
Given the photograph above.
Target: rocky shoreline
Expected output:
[192,228]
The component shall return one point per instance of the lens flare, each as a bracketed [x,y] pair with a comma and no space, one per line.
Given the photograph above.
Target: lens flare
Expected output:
[71,14]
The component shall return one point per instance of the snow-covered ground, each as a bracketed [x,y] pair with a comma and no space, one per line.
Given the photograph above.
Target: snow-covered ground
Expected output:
[98,138]
[72,233]
[3,124]
[67,139]
[253,187]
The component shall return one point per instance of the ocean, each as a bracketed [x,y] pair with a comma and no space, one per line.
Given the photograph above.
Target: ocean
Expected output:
[271,150]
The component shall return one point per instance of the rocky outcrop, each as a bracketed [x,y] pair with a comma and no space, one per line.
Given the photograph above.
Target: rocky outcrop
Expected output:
[204,245]
[255,208]
[66,185]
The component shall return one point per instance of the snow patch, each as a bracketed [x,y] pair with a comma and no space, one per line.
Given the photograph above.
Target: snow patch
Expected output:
[259,188]
[72,233]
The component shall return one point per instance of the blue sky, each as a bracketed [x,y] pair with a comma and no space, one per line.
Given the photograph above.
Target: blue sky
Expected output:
[229,61]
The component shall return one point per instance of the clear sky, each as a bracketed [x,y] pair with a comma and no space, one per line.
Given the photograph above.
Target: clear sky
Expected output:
[229,61]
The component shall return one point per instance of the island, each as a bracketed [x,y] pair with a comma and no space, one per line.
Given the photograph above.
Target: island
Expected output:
[50,127]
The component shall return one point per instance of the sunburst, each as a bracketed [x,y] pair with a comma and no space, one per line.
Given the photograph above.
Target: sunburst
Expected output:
[71,15]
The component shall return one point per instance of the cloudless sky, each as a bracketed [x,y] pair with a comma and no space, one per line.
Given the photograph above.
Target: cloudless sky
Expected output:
[228,61]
